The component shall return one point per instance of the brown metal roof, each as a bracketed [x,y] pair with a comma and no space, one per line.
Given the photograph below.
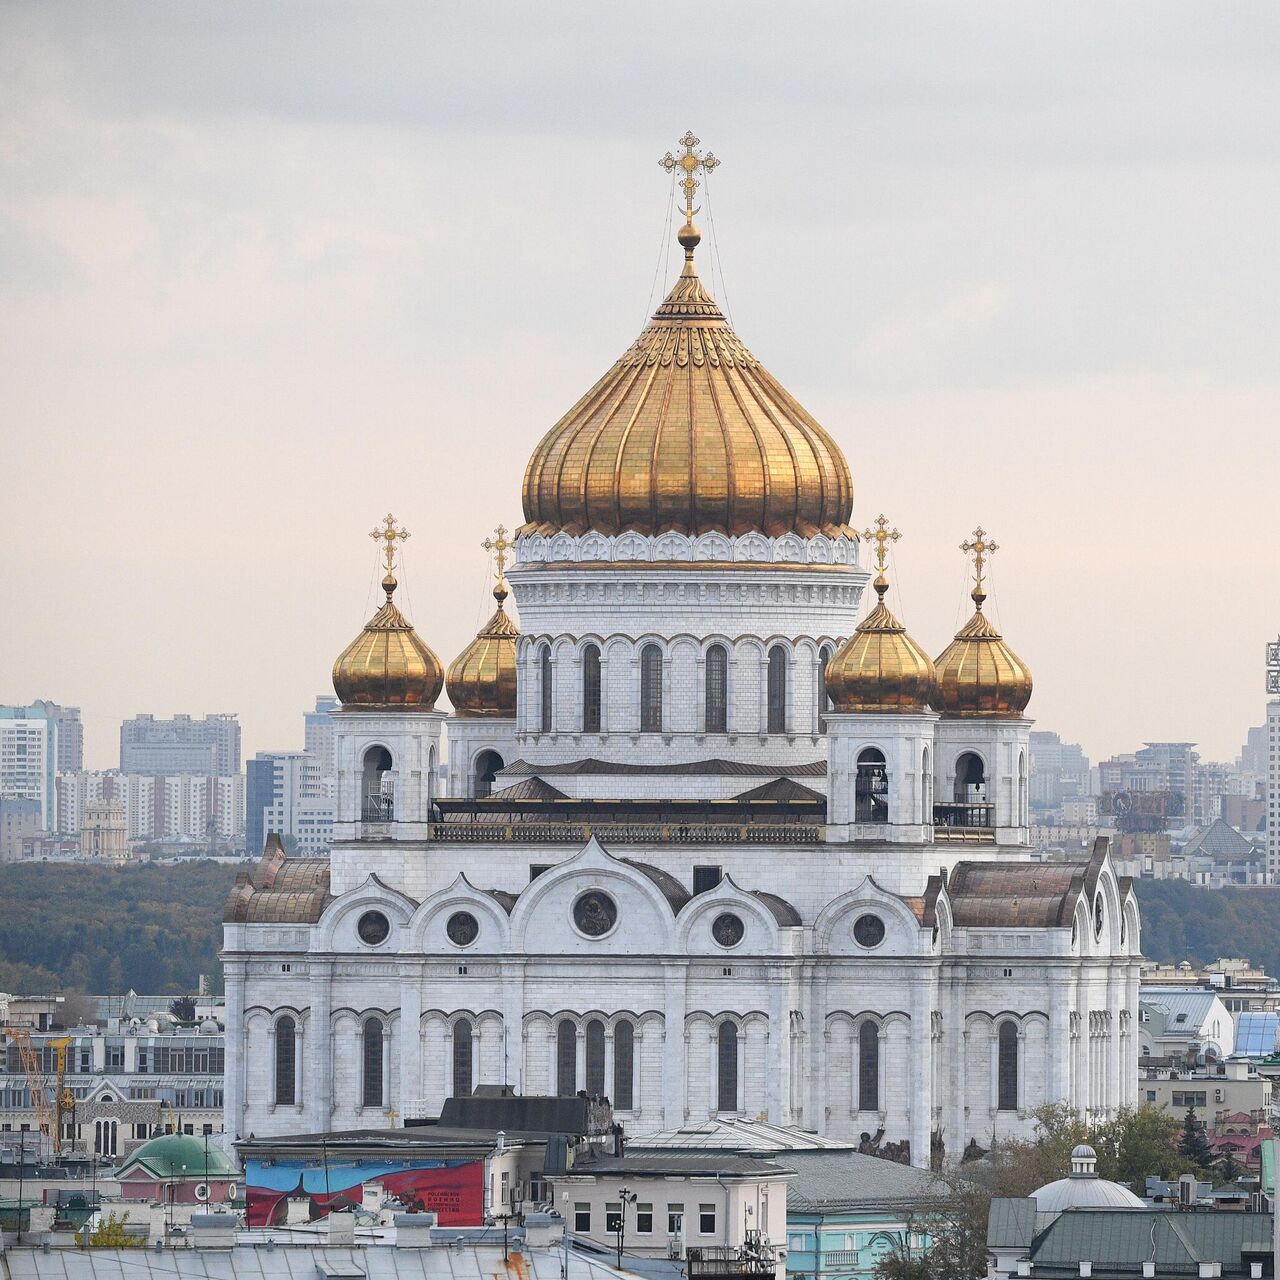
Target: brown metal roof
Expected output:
[1038,895]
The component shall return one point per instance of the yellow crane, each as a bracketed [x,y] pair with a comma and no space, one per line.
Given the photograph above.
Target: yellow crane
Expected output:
[48,1118]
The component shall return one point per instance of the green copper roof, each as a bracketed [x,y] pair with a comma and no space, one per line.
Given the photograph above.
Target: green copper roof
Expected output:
[164,1157]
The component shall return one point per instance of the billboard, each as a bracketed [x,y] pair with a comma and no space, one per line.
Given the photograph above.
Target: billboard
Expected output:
[454,1189]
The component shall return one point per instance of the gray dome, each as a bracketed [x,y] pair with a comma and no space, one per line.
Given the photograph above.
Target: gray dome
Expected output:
[1084,1189]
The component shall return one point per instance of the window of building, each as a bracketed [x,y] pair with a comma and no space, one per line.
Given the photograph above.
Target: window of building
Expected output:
[582,1218]
[546,683]
[566,1058]
[595,1058]
[377,796]
[717,720]
[1151,1095]
[871,787]
[727,1067]
[706,1219]
[644,1218]
[591,689]
[115,1057]
[675,1219]
[777,689]
[537,868]
[624,1047]
[706,878]
[286,1058]
[1007,1068]
[612,1217]
[651,689]
[869,1067]
[462,1035]
[824,698]
[371,1094]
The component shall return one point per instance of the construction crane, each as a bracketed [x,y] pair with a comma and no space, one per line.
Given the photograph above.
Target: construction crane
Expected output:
[48,1118]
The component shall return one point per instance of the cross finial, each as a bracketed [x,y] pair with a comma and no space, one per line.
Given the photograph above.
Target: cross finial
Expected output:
[882,535]
[691,162]
[981,548]
[499,546]
[389,535]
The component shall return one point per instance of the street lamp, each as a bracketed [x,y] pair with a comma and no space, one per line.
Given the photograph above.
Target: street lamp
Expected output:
[625,1198]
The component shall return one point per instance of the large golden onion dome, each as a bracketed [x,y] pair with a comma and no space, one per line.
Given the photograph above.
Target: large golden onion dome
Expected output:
[688,432]
[979,676]
[482,679]
[881,668]
[388,664]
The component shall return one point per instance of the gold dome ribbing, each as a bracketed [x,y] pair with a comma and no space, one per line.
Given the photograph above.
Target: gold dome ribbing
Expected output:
[881,668]
[388,664]
[687,432]
[482,678]
[979,676]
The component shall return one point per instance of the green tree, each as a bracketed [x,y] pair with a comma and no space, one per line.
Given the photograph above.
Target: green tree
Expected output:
[1194,1144]
[1228,1169]
[110,1234]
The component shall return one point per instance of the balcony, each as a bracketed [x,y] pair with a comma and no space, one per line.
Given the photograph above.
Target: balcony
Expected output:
[622,833]
[726,1262]
[964,823]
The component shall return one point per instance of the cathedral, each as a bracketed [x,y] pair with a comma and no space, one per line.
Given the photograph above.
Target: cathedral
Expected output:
[692,837]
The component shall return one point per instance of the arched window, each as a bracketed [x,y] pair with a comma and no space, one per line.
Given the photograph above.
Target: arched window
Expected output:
[286,1062]
[727,1067]
[777,689]
[926,788]
[566,1058]
[1024,815]
[375,787]
[545,687]
[871,787]
[1007,1068]
[487,765]
[624,1069]
[371,1061]
[462,1083]
[651,689]
[717,689]
[868,1067]
[591,689]
[971,779]
[824,698]
[595,1058]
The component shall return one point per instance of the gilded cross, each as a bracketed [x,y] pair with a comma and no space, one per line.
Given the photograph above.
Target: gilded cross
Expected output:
[980,549]
[689,163]
[883,535]
[499,546]
[389,535]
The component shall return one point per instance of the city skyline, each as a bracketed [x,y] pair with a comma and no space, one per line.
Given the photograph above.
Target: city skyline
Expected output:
[235,293]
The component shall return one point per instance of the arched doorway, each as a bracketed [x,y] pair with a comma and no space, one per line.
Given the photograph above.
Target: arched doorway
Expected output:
[969,807]
[377,800]
[487,766]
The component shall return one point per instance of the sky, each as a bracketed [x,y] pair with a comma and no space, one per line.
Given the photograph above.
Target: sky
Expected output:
[270,271]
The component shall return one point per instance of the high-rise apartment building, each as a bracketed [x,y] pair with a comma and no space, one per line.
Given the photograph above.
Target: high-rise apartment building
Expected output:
[318,740]
[156,807]
[29,758]
[70,734]
[1273,761]
[284,794]
[208,747]
[1059,770]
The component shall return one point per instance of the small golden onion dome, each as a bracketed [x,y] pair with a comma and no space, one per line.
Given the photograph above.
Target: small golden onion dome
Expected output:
[881,668]
[387,664]
[979,676]
[688,432]
[482,678]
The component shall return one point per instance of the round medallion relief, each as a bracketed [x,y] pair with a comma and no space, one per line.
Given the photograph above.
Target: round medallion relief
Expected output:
[595,913]
[727,929]
[868,931]
[373,928]
[463,928]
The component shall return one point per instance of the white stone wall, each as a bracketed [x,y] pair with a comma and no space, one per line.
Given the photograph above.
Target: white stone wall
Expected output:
[468,738]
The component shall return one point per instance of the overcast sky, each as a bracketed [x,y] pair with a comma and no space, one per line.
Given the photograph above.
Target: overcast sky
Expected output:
[270,270]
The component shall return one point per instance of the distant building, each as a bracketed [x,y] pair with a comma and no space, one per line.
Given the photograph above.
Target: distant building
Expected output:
[29,757]
[284,793]
[70,733]
[103,833]
[1184,1025]
[319,741]
[208,747]
[183,806]
[1059,770]
[19,821]
[1273,791]
[1232,1089]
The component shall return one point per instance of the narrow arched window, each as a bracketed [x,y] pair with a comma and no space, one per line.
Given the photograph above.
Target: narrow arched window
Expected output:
[871,787]
[824,698]
[566,1058]
[651,689]
[717,689]
[377,796]
[371,1094]
[868,1067]
[286,1062]
[624,1068]
[462,1083]
[595,1058]
[591,689]
[777,689]
[545,688]
[727,1067]
[1007,1068]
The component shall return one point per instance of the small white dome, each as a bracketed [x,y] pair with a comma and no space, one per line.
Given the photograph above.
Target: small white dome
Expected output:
[1084,1189]
[1084,1152]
